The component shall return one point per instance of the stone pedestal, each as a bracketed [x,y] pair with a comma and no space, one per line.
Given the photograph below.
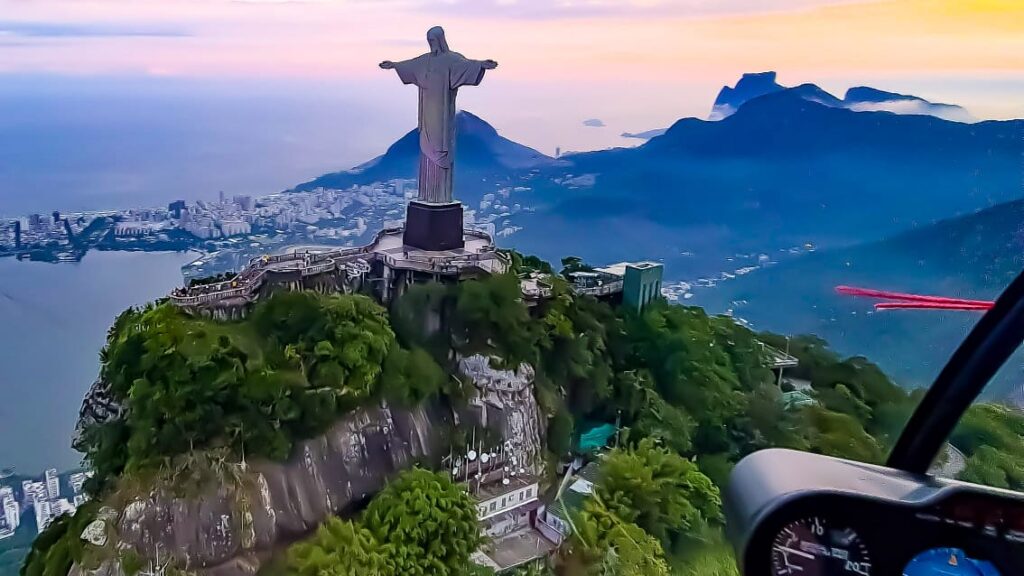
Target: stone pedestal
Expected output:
[433,227]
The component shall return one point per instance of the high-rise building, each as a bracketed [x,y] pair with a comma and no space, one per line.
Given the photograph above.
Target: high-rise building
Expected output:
[176,207]
[244,202]
[33,491]
[11,511]
[61,507]
[77,481]
[43,515]
[52,484]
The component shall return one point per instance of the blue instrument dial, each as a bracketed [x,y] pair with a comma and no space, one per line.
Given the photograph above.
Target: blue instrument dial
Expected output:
[948,562]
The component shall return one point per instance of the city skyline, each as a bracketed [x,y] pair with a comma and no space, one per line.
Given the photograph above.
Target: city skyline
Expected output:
[42,497]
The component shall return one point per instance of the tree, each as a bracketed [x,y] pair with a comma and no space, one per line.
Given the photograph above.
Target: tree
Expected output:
[691,368]
[427,524]
[60,545]
[608,545]
[339,548]
[658,490]
[992,437]
[667,424]
[410,377]
[992,467]
[840,435]
[491,318]
[525,263]
[561,428]
[577,342]
[418,317]
[841,399]
[766,423]
[989,425]
[572,264]
[257,385]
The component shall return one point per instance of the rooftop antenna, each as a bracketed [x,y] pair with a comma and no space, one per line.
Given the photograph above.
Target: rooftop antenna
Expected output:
[244,466]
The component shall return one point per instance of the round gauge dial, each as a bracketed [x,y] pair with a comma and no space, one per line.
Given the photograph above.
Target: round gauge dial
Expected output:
[948,562]
[814,547]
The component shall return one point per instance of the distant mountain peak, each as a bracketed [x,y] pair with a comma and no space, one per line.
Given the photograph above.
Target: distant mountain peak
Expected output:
[482,152]
[468,123]
[645,135]
[869,94]
[814,93]
[750,86]
[867,99]
[858,98]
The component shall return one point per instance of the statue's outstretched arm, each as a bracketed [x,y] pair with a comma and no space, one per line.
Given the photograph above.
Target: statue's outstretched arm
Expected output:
[409,71]
[389,65]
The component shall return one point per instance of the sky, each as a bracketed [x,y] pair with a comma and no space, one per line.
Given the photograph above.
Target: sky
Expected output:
[633,64]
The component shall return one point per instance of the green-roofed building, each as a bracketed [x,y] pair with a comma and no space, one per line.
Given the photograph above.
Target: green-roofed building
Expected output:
[797,399]
[596,438]
[557,516]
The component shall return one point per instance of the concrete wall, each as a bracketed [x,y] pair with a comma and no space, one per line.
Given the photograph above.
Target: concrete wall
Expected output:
[508,501]
[641,284]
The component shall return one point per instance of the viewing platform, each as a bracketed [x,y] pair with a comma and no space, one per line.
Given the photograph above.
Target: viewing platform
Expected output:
[777,359]
[385,262]
[635,284]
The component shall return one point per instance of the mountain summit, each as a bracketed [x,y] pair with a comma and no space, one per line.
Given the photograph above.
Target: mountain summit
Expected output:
[750,86]
[859,99]
[867,99]
[481,153]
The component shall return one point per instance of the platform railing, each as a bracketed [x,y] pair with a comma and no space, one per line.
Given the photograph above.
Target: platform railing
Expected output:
[249,280]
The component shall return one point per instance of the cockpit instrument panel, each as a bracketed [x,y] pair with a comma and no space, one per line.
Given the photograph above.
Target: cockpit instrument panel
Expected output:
[797,514]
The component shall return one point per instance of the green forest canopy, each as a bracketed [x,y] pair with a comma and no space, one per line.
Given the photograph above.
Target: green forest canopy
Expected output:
[692,393]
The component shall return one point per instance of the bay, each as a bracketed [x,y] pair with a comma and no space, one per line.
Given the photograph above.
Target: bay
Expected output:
[53,323]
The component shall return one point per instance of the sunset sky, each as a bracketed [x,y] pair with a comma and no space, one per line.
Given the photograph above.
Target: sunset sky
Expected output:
[636,64]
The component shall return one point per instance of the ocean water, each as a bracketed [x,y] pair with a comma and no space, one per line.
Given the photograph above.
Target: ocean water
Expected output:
[100,143]
[53,322]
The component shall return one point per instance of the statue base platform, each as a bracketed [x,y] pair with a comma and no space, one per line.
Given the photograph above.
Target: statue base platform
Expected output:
[433,227]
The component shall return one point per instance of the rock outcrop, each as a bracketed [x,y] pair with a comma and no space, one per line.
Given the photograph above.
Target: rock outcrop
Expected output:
[98,407]
[249,510]
[750,86]
[232,516]
[508,405]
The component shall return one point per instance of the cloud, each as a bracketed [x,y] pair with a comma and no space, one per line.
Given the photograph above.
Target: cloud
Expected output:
[916,107]
[594,123]
[15,29]
[571,9]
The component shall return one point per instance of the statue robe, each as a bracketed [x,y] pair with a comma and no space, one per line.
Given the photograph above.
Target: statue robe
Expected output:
[438,77]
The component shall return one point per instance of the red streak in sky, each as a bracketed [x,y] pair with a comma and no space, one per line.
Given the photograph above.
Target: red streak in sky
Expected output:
[903,301]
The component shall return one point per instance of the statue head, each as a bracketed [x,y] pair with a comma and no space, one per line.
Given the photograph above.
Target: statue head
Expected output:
[435,38]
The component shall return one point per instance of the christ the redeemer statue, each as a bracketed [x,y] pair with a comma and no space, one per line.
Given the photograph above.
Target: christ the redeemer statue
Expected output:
[439,74]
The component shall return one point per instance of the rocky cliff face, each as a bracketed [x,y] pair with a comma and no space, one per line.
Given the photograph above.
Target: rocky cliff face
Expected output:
[98,406]
[508,405]
[750,86]
[245,512]
[230,517]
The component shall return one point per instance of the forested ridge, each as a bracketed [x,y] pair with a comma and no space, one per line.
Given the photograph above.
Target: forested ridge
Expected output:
[692,394]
